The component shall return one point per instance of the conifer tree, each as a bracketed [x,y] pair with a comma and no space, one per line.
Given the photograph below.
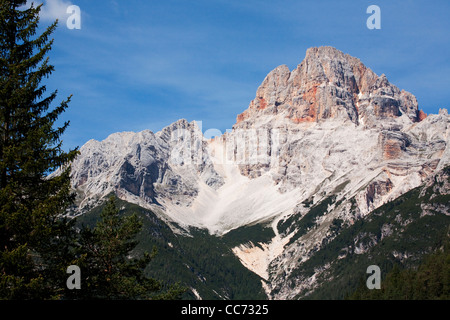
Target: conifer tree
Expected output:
[110,267]
[31,203]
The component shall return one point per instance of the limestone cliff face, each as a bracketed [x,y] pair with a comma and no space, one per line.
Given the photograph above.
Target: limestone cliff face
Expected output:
[330,84]
[143,167]
[332,115]
[329,132]
[330,127]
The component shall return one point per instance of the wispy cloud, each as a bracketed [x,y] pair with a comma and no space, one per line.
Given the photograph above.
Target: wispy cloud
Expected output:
[52,9]
[133,67]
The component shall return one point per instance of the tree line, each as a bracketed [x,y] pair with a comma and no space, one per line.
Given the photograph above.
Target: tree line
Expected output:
[429,281]
[38,242]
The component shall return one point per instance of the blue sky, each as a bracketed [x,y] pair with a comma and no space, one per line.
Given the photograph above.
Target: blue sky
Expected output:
[138,65]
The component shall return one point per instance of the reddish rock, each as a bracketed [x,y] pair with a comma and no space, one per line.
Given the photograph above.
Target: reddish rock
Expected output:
[391,149]
[304,119]
[262,103]
[329,84]
[378,188]
[421,116]
[241,117]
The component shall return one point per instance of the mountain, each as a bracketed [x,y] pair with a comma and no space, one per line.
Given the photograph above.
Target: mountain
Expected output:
[402,233]
[320,149]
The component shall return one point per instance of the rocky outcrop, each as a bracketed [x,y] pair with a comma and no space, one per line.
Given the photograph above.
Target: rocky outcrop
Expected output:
[330,127]
[330,84]
[319,147]
[142,167]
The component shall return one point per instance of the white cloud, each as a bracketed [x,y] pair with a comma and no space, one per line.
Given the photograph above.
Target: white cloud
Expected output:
[52,9]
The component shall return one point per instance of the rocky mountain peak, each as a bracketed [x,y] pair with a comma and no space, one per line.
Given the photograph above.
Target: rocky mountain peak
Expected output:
[329,84]
[319,148]
[330,127]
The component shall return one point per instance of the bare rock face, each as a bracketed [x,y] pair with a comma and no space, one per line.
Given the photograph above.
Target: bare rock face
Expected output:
[333,114]
[330,131]
[142,167]
[330,124]
[330,84]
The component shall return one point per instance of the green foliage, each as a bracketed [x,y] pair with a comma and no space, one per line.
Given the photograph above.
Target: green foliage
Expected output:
[412,236]
[199,260]
[30,148]
[430,281]
[304,223]
[257,233]
[336,225]
[37,244]
[110,269]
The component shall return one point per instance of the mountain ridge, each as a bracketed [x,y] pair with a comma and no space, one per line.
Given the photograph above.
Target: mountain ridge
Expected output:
[328,141]
[183,171]
[327,71]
